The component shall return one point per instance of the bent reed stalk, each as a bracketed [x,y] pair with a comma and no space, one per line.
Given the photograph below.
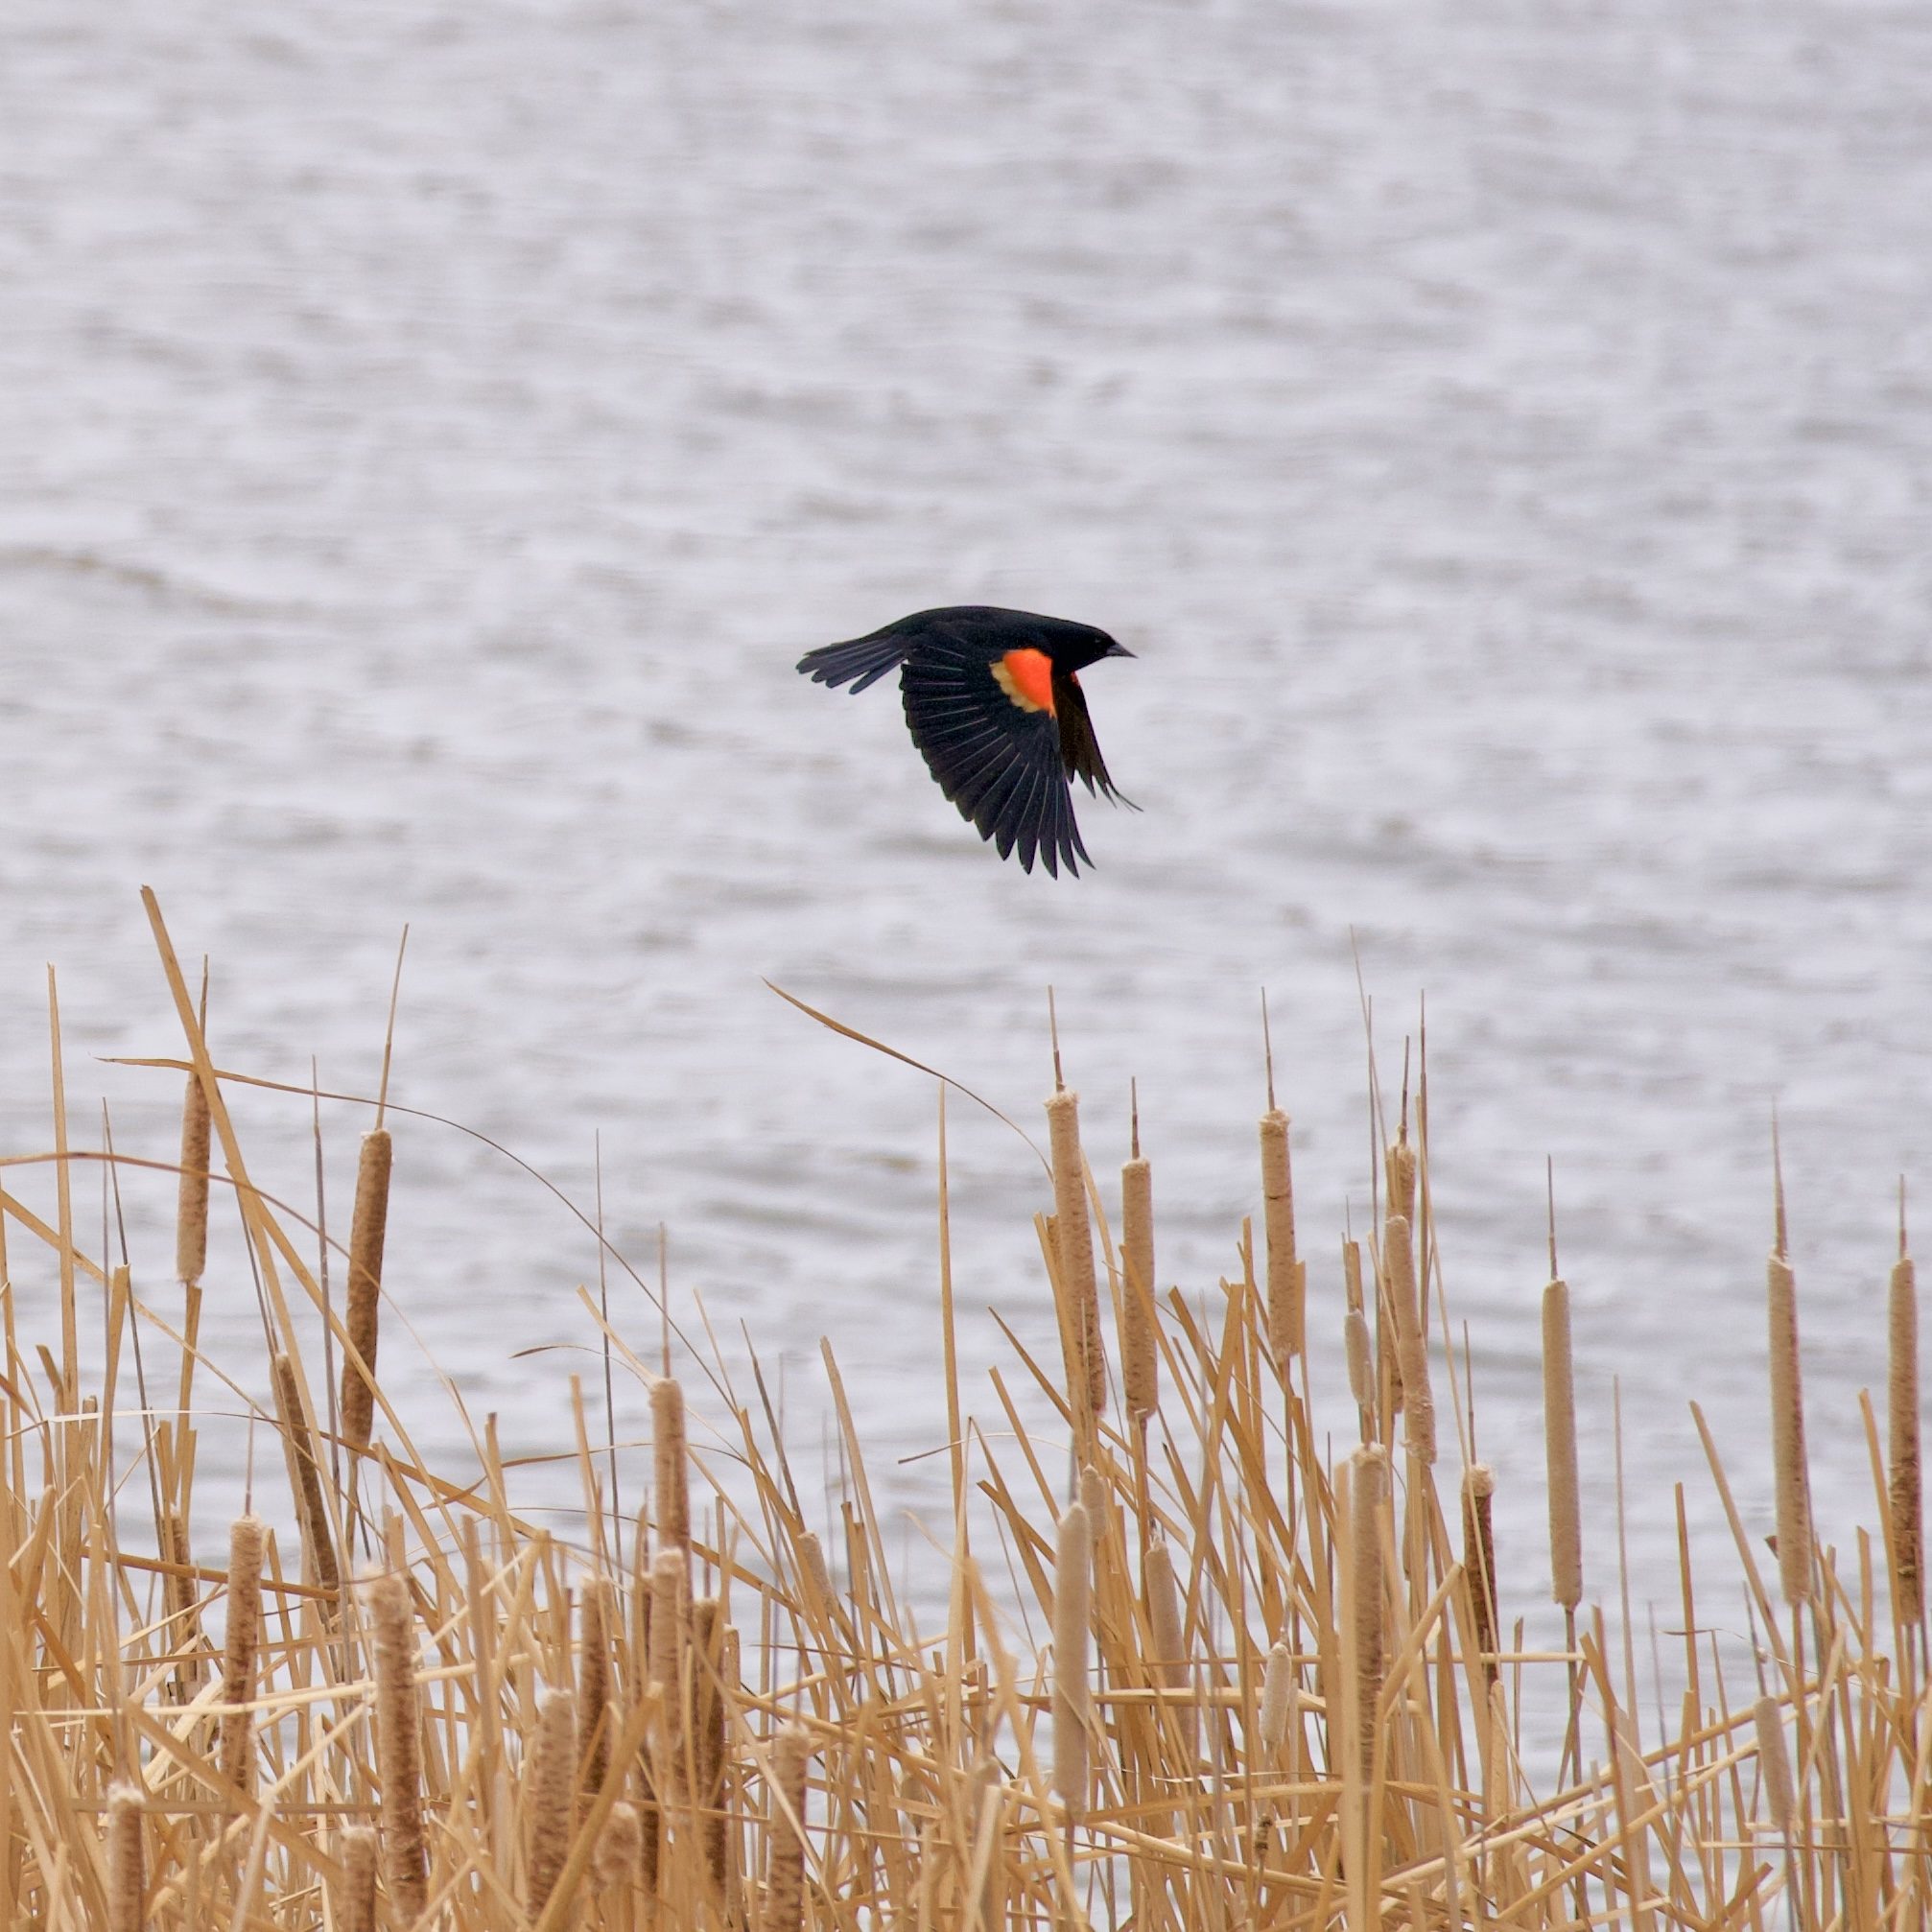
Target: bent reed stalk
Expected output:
[1185,1664]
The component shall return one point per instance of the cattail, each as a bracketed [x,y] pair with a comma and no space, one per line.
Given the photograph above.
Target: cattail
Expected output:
[813,1565]
[619,1857]
[672,1465]
[1074,1244]
[1419,1409]
[1558,1441]
[1774,1762]
[368,1226]
[1398,1168]
[553,1776]
[1787,1435]
[246,1538]
[1139,1348]
[1167,1632]
[306,1473]
[177,1592]
[668,1630]
[398,1745]
[1287,1277]
[356,1902]
[1360,1358]
[710,1643]
[1072,1639]
[1902,1401]
[1352,1277]
[1368,1490]
[191,1213]
[1478,1558]
[126,1861]
[592,1687]
[1278,1690]
[785,1878]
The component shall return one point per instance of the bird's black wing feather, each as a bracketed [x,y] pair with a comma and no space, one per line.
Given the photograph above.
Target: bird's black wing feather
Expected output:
[1079,748]
[999,763]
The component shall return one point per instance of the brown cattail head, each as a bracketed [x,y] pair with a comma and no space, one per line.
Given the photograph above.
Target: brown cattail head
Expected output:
[669,1624]
[1167,1632]
[1478,1558]
[553,1778]
[1419,1409]
[619,1857]
[191,1214]
[184,1626]
[673,1466]
[1074,1249]
[1140,1347]
[1286,1276]
[593,1686]
[247,1536]
[1787,1435]
[305,1473]
[125,1859]
[1072,1642]
[368,1228]
[356,1901]
[1352,1277]
[398,1745]
[1774,1762]
[1277,1685]
[1903,1486]
[785,1880]
[1559,1440]
[1360,1354]
[1399,1169]
[1368,1495]
[713,1661]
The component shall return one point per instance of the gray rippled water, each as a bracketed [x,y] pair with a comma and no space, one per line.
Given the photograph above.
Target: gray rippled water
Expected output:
[1503,431]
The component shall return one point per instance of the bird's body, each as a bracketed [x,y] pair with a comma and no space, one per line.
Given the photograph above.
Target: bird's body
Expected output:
[994,703]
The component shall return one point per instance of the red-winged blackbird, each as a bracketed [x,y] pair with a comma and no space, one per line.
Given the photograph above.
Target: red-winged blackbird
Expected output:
[997,714]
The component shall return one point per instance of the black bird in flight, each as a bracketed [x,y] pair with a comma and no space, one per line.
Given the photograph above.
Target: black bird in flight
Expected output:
[995,706]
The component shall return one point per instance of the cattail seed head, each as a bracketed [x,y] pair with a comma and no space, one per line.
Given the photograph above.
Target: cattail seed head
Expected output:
[369,1230]
[1352,1277]
[669,1624]
[1072,1638]
[1073,1248]
[125,1860]
[1905,1503]
[1357,1347]
[672,1465]
[1277,1685]
[1787,1435]
[1368,1495]
[1478,1545]
[785,1879]
[356,1901]
[1419,1412]
[1399,1170]
[1286,1276]
[1139,1345]
[1167,1632]
[398,1745]
[1559,1437]
[246,1537]
[552,1777]
[593,1686]
[178,1591]
[619,1857]
[305,1474]
[1774,1762]
[191,1214]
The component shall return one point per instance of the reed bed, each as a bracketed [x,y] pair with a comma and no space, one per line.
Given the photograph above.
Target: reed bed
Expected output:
[1271,1684]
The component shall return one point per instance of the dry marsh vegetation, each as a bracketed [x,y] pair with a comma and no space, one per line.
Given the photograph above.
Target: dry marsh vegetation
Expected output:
[1268,1684]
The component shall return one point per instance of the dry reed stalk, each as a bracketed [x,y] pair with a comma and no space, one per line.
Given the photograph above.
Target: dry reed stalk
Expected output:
[1559,1439]
[356,1897]
[619,1858]
[1167,1632]
[305,1471]
[368,1228]
[1787,1435]
[246,1537]
[1903,1496]
[398,1744]
[1140,1347]
[1278,1690]
[671,1467]
[177,1592]
[1479,1559]
[1286,1276]
[191,1212]
[1074,1244]
[785,1831]
[125,1859]
[552,1792]
[1072,1641]
[593,1686]
[1368,1495]
[1419,1409]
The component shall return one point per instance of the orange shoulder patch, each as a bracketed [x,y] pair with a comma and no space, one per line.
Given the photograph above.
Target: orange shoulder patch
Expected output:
[1026,678]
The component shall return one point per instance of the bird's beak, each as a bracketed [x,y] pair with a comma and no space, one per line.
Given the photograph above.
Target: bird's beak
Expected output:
[1119,650]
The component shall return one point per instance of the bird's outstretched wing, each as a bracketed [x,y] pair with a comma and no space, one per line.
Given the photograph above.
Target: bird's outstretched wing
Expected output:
[865,659]
[984,722]
[1079,748]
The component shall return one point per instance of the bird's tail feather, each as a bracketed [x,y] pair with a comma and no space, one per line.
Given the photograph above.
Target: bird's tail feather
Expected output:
[863,661]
